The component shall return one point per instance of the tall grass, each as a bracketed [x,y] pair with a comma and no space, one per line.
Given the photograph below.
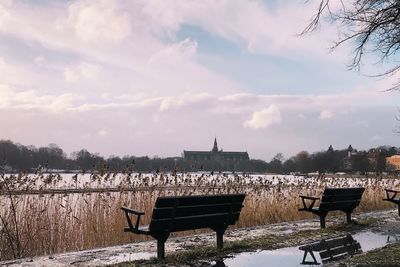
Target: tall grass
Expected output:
[47,224]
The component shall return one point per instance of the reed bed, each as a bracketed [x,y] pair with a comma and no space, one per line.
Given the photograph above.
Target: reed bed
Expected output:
[46,224]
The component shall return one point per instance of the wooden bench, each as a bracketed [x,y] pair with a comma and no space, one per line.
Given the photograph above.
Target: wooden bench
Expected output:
[331,249]
[342,199]
[391,197]
[173,214]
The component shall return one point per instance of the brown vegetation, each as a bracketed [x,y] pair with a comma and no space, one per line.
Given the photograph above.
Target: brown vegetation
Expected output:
[46,224]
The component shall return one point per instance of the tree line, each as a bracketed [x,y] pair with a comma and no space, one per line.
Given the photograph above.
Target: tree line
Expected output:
[332,161]
[19,158]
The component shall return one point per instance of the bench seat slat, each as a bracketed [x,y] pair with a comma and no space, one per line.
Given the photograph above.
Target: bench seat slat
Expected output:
[331,198]
[344,191]
[198,200]
[182,211]
[194,222]
[328,243]
[348,249]
[338,205]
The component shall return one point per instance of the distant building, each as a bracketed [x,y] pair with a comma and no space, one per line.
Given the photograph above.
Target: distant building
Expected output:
[215,154]
[374,155]
[393,163]
[347,161]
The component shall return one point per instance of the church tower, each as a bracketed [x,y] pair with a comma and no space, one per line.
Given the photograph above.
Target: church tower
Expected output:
[215,147]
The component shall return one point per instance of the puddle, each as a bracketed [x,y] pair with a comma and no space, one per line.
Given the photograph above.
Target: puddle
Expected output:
[313,254]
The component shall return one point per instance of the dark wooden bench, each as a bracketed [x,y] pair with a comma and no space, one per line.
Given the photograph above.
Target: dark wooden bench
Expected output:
[342,199]
[394,197]
[173,214]
[331,249]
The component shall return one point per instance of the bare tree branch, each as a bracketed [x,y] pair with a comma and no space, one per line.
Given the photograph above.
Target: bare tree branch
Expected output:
[373,26]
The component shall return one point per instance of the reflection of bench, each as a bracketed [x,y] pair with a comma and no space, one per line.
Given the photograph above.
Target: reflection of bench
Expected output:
[173,214]
[391,197]
[343,199]
[331,249]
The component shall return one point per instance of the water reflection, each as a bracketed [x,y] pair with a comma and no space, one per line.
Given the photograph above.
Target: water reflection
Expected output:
[392,238]
[331,249]
[314,254]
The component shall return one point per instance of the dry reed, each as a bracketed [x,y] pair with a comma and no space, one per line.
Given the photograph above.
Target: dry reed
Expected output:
[48,224]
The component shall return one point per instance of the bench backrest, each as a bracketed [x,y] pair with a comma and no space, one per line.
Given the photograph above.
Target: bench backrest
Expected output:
[334,248]
[171,214]
[341,198]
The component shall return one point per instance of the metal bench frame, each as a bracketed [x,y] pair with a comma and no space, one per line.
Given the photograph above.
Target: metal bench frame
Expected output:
[217,216]
[331,201]
[391,197]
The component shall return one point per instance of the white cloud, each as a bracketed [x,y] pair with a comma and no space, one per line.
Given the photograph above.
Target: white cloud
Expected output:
[103,132]
[193,118]
[248,22]
[174,52]
[88,70]
[83,70]
[4,13]
[177,102]
[264,118]
[10,98]
[70,75]
[99,21]
[39,59]
[326,115]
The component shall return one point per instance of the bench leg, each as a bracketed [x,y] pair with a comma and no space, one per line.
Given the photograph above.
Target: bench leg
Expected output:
[306,252]
[161,245]
[322,220]
[160,249]
[220,238]
[348,216]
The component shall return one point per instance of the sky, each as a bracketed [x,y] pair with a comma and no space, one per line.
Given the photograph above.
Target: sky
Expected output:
[151,77]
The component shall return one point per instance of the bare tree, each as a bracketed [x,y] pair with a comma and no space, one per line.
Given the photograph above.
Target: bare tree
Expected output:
[372,25]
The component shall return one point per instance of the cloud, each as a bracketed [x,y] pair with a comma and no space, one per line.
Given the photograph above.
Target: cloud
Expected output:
[103,132]
[70,75]
[144,123]
[175,51]
[326,115]
[82,71]
[245,22]
[4,13]
[264,118]
[10,98]
[177,102]
[100,21]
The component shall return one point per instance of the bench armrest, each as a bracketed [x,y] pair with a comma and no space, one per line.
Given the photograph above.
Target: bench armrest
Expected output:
[311,205]
[307,197]
[127,211]
[391,194]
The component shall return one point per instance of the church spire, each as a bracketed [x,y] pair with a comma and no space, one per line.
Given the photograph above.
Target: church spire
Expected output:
[215,147]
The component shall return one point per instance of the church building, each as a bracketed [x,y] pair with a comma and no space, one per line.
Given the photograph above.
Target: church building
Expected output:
[215,154]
